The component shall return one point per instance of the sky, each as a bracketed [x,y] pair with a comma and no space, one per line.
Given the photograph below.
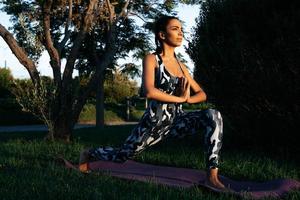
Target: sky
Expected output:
[186,13]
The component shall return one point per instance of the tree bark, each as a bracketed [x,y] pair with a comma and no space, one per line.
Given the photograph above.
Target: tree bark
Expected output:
[68,111]
[100,103]
[20,54]
[62,129]
[55,60]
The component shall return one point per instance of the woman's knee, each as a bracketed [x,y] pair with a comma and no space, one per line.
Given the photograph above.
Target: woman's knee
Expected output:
[214,114]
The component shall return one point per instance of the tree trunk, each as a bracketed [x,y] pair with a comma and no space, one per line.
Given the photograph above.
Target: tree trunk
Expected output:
[61,124]
[100,103]
[62,129]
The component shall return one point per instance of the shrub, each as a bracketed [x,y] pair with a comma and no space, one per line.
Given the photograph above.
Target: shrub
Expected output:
[117,87]
[6,80]
[246,54]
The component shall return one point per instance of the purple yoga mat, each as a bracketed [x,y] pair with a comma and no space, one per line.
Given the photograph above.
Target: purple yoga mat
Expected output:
[182,177]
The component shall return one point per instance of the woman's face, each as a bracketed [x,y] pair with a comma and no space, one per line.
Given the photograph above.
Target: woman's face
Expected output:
[173,35]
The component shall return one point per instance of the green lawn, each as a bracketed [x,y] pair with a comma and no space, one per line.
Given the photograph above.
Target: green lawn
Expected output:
[28,169]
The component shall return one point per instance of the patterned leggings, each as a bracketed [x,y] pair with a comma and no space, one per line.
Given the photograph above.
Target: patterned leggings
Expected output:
[188,123]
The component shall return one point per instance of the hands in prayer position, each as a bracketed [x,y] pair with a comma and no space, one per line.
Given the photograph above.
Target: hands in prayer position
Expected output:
[184,89]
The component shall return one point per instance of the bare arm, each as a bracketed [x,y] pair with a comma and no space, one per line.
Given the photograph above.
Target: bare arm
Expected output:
[149,64]
[199,95]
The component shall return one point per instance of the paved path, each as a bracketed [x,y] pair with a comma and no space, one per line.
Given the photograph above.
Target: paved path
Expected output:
[22,128]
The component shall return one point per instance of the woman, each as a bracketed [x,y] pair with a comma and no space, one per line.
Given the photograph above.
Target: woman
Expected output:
[167,84]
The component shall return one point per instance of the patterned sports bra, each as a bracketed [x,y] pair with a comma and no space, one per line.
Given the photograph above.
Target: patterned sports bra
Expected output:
[164,112]
[164,80]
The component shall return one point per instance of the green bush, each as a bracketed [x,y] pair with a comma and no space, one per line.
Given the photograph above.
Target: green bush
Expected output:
[6,80]
[11,113]
[246,54]
[117,87]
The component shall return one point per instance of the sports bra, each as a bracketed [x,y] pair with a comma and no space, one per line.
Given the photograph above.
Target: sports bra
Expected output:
[164,80]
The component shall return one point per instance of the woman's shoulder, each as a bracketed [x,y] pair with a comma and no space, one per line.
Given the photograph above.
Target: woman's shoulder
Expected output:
[151,56]
[150,59]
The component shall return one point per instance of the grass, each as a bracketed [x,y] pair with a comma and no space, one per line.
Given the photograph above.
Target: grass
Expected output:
[28,169]
[112,113]
[88,114]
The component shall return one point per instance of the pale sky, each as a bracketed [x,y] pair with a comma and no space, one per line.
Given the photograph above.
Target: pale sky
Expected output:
[186,13]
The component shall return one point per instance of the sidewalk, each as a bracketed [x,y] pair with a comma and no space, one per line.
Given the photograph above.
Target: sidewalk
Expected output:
[21,128]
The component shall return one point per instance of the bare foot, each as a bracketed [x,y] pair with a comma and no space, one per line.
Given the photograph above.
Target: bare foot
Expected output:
[213,180]
[84,160]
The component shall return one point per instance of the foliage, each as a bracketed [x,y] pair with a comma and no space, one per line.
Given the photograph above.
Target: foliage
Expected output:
[36,99]
[6,80]
[11,113]
[117,87]
[246,54]
[131,70]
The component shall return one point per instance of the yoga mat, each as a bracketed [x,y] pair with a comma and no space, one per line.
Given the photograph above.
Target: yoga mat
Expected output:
[186,178]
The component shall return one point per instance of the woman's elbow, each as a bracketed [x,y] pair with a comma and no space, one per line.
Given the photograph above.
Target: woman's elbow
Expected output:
[148,95]
[204,97]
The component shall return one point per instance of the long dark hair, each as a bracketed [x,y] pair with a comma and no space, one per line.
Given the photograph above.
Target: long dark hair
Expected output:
[160,25]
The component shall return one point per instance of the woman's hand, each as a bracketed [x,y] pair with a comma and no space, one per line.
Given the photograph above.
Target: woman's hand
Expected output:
[185,90]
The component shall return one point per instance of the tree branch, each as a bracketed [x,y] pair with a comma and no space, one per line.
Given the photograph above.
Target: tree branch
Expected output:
[86,25]
[67,31]
[20,54]
[85,91]
[54,55]
[108,4]
[101,64]
[124,10]
[135,14]
[65,100]
[111,11]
